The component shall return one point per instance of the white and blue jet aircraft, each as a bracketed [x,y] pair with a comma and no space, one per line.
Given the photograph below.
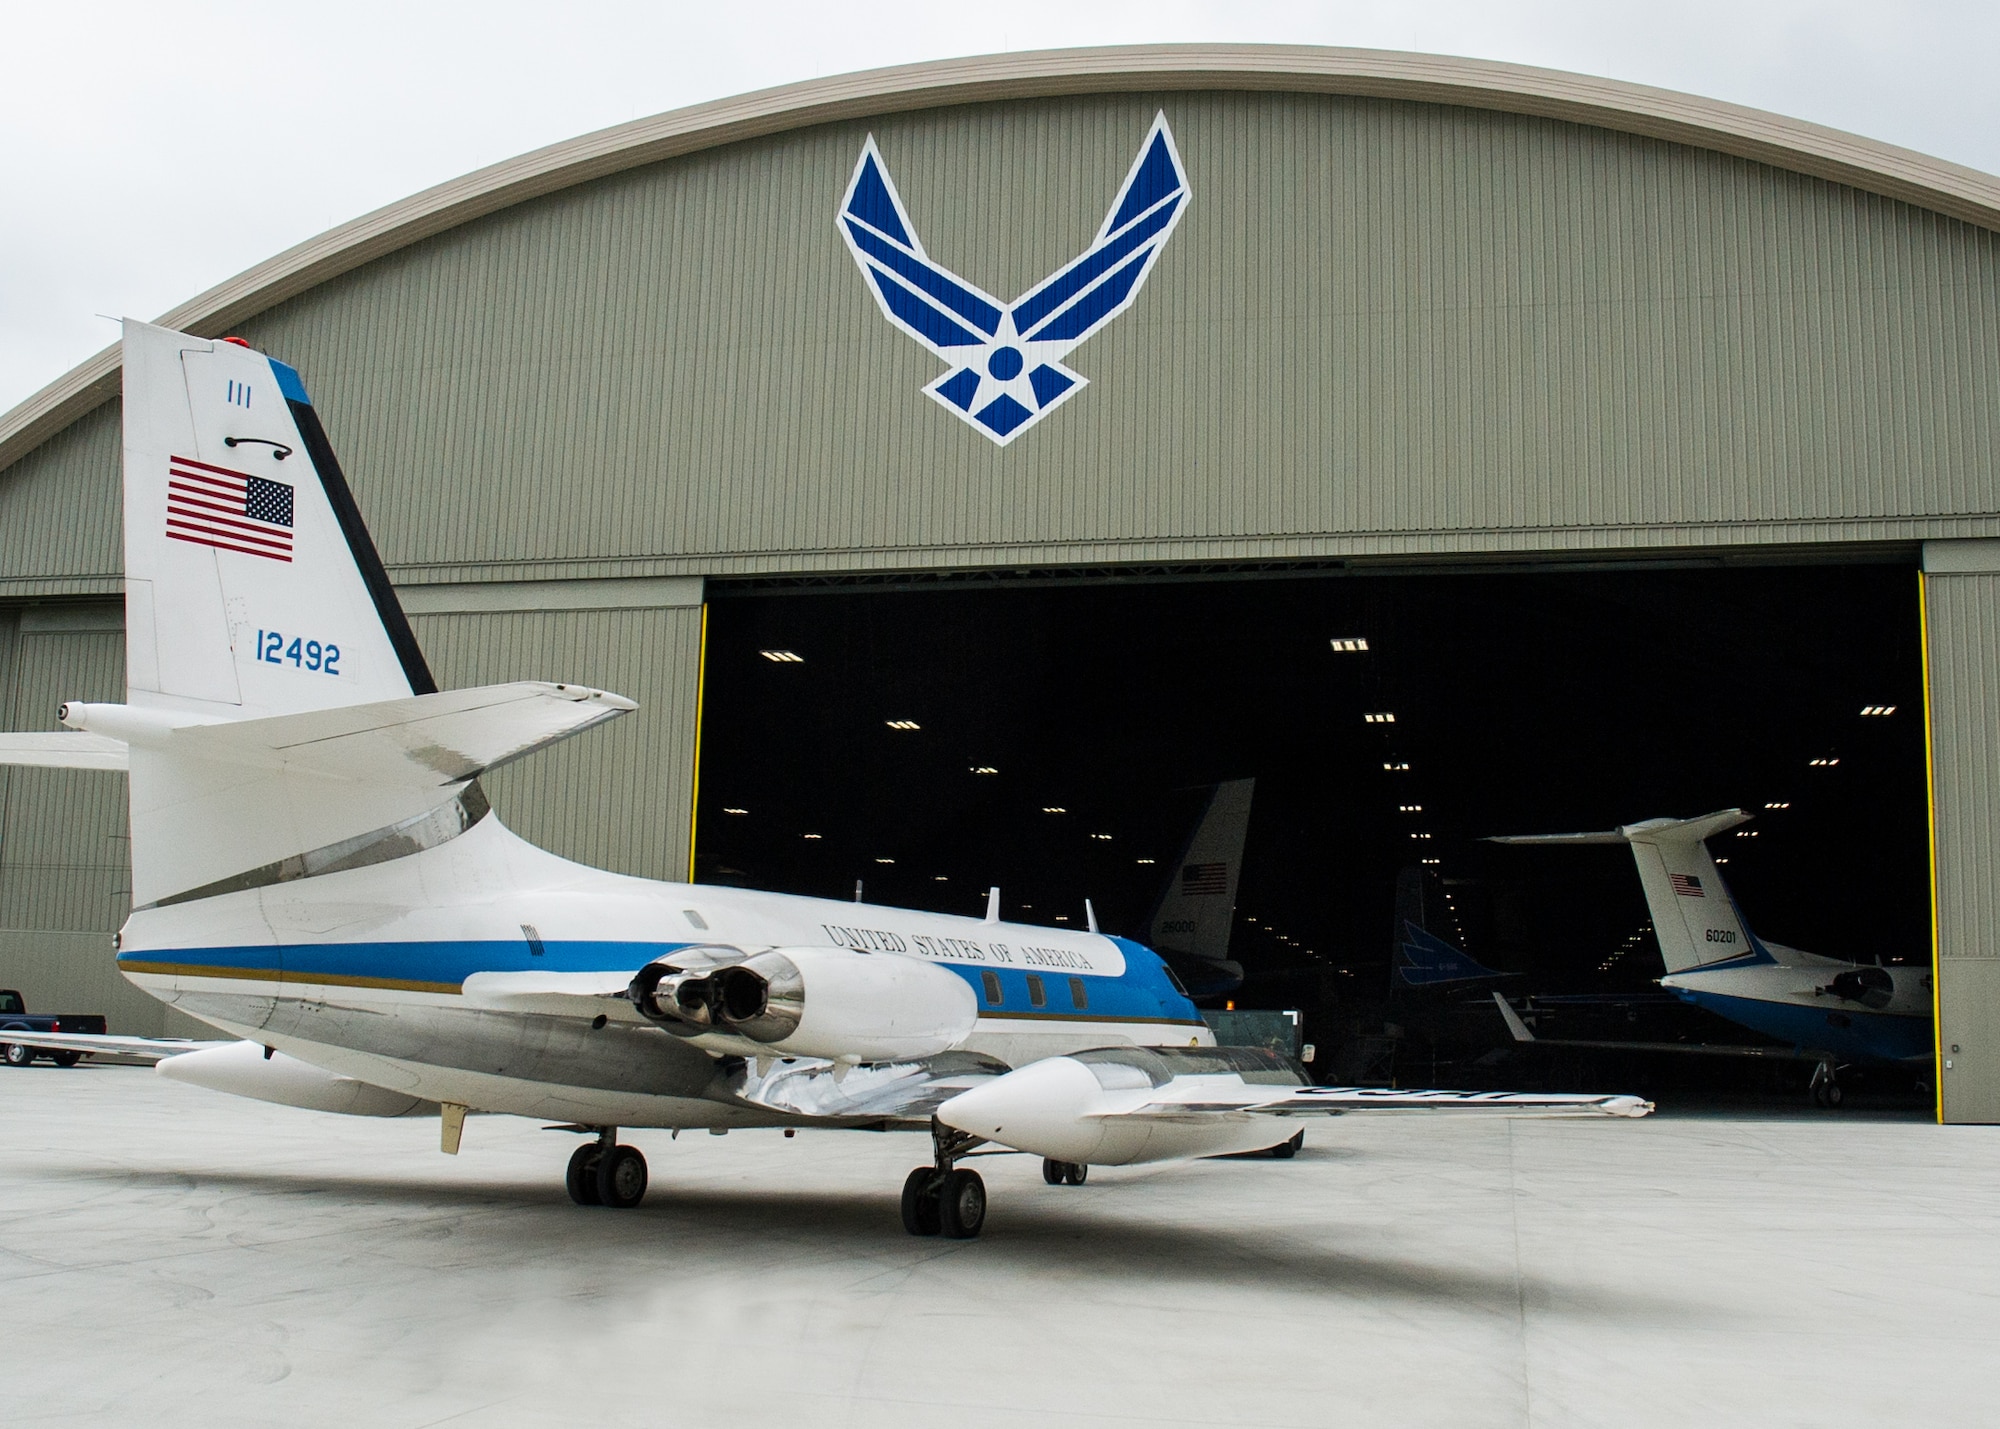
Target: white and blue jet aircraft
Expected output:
[316,873]
[1821,1009]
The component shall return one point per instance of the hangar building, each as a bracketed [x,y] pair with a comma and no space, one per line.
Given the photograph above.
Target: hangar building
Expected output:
[1436,317]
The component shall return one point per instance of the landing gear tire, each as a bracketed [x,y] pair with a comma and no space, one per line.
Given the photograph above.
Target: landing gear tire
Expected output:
[961,1204]
[18,1056]
[921,1212]
[1064,1173]
[581,1178]
[621,1178]
[65,1059]
[1829,1095]
[1286,1150]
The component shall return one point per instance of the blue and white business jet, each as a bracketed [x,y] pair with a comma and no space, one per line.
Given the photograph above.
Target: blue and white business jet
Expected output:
[316,872]
[1821,1010]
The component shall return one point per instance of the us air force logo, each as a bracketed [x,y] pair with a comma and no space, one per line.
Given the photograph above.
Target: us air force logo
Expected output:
[1006,359]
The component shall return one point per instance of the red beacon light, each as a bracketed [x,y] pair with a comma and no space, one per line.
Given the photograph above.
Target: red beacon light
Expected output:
[237,340]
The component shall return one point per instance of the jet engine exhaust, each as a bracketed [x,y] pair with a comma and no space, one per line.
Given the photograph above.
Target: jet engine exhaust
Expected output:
[863,1006]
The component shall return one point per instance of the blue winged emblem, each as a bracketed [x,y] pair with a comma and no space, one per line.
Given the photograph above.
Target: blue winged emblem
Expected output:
[1006,368]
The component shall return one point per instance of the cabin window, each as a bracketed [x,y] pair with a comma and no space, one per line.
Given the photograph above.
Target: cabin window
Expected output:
[1036,997]
[1079,995]
[991,982]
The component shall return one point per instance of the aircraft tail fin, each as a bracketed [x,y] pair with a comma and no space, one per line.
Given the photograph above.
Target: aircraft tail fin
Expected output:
[1421,960]
[1198,904]
[280,719]
[1695,919]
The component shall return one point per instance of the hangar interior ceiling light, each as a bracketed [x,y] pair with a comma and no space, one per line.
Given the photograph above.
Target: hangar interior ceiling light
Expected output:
[1105,837]
[1433,860]
[1398,767]
[1348,644]
[1824,763]
[1877,711]
[1142,860]
[1380,717]
[1054,809]
[1409,808]
[982,769]
[735,811]
[1782,804]
[809,836]
[902,724]
[783,657]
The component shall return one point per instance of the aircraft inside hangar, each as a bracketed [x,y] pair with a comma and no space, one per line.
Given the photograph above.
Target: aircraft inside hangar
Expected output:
[1058,738]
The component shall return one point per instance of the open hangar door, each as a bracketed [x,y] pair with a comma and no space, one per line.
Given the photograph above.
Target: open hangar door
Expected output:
[1055,737]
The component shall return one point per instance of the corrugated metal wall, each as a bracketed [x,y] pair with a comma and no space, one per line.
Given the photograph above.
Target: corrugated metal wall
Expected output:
[616,797]
[63,858]
[65,881]
[1381,326]
[1962,616]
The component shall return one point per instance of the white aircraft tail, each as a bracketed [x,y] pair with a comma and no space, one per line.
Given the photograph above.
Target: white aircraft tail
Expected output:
[1197,907]
[1694,917]
[279,720]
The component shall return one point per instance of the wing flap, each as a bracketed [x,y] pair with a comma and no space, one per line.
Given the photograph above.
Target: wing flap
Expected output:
[881,1092]
[1208,1103]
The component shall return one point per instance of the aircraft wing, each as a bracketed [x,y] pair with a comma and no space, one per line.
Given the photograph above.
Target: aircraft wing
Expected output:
[1199,1103]
[69,749]
[155,1049]
[882,1093]
[1518,1030]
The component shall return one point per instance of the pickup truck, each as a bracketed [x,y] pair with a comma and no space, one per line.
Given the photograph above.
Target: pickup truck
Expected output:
[15,1017]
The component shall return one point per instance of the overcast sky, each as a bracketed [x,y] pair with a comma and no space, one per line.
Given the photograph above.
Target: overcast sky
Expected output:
[150,150]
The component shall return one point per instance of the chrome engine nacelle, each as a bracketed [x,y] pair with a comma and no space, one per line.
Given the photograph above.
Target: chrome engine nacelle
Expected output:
[807,1002]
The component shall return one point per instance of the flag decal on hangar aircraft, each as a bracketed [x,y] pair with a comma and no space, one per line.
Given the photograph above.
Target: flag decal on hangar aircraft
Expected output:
[1006,359]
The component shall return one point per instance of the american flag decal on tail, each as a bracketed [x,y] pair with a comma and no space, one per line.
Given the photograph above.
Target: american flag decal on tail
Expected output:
[1687,885]
[213,506]
[1204,878]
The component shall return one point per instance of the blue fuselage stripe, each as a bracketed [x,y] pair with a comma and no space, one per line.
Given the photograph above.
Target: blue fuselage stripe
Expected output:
[1860,1034]
[1142,991]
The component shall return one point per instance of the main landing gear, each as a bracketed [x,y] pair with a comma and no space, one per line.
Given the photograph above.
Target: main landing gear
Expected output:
[603,1173]
[1064,1173]
[1826,1090]
[939,1199]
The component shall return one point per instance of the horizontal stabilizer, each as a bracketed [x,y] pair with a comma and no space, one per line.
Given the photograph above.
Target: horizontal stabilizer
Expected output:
[152,1049]
[69,749]
[1646,831]
[418,741]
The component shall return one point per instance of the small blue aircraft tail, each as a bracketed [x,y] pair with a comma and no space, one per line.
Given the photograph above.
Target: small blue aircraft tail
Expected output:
[1421,960]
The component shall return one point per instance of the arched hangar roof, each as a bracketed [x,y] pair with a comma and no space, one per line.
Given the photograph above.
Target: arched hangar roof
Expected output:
[1789,144]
